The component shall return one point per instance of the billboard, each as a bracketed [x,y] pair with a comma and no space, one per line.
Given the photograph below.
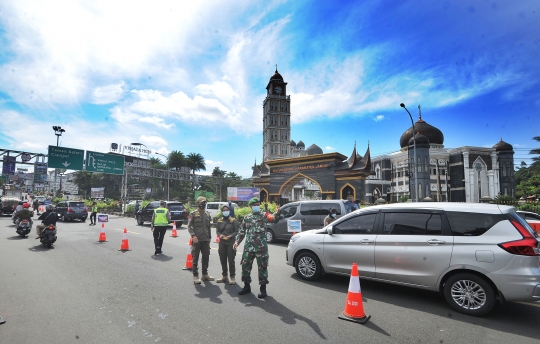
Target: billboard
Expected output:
[8,167]
[40,173]
[242,194]
[97,192]
[210,196]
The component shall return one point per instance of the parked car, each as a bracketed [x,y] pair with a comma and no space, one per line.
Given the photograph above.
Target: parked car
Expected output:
[71,210]
[177,209]
[532,218]
[311,213]
[213,208]
[474,254]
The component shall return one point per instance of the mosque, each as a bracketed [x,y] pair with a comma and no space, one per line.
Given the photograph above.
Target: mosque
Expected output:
[463,174]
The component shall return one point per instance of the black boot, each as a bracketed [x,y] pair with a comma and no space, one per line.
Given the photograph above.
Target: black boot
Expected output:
[247,289]
[262,294]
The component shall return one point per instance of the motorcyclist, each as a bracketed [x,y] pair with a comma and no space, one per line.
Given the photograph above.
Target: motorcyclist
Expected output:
[49,217]
[24,213]
[19,208]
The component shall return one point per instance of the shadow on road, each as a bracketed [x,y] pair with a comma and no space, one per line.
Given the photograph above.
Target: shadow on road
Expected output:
[17,237]
[40,248]
[272,306]
[209,291]
[161,257]
[518,318]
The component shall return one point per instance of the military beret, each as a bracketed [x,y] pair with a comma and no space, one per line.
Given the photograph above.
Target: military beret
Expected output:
[253,200]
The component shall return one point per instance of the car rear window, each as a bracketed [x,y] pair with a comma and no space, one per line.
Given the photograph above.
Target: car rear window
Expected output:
[77,204]
[176,207]
[325,208]
[472,224]
[310,209]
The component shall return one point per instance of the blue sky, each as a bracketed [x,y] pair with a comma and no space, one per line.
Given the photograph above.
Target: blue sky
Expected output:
[191,76]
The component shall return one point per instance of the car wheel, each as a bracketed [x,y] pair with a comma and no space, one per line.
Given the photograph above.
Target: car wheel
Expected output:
[83,219]
[179,223]
[308,266]
[469,294]
[140,221]
[270,236]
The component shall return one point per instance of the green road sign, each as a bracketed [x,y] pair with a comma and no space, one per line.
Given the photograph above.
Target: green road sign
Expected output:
[68,158]
[105,163]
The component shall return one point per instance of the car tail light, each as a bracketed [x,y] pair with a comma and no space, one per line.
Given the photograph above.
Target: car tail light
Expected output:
[24,220]
[70,210]
[85,210]
[528,246]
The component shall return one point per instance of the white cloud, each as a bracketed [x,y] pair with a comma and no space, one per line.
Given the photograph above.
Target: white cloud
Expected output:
[157,121]
[153,140]
[108,94]
[328,148]
[379,118]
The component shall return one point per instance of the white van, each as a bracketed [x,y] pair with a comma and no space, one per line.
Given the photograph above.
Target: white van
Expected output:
[215,207]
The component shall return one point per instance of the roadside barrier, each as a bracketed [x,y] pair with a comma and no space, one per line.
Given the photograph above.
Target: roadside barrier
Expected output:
[174,233]
[354,307]
[125,243]
[189,257]
[102,235]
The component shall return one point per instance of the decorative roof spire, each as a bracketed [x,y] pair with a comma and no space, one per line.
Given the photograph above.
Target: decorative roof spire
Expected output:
[419,113]
[276,68]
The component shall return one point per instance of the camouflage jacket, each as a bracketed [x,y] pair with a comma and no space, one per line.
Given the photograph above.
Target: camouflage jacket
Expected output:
[253,228]
[199,225]
[228,227]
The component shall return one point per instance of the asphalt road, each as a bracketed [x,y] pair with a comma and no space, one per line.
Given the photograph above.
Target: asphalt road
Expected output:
[87,292]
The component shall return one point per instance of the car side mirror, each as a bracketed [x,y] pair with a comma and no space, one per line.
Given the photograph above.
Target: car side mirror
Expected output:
[329,230]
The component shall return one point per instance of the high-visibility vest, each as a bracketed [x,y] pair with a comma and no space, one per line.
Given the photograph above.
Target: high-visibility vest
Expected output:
[160,217]
[94,209]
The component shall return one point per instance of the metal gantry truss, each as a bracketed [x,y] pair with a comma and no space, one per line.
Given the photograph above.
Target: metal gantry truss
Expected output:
[148,172]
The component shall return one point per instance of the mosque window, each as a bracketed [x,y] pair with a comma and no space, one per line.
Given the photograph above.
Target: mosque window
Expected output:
[504,174]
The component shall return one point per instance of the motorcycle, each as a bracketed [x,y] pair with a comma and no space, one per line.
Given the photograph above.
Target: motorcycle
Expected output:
[48,236]
[24,227]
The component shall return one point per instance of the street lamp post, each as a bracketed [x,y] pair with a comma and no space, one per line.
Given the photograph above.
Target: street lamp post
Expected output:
[168,173]
[414,156]
[58,132]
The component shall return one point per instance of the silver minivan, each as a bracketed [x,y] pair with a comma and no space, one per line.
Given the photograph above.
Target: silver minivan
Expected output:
[310,213]
[474,254]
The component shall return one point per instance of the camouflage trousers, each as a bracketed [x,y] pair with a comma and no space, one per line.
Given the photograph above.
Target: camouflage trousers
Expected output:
[262,264]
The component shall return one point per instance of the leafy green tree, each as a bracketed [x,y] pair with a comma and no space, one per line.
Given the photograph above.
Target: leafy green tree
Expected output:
[537,150]
[155,162]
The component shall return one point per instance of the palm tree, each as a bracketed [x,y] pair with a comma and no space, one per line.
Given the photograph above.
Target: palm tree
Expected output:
[536,151]
[176,159]
[154,162]
[195,162]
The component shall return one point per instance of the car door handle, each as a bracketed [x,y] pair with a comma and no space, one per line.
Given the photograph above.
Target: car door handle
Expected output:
[366,241]
[435,242]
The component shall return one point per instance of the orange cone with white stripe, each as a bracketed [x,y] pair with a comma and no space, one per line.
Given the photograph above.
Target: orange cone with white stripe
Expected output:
[189,257]
[125,243]
[174,233]
[102,235]
[354,307]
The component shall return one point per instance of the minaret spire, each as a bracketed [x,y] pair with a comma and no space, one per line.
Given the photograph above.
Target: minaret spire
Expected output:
[419,113]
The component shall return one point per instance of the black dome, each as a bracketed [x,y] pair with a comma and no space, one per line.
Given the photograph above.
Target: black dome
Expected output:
[276,77]
[503,146]
[434,135]
[300,144]
[420,139]
[314,149]
[293,144]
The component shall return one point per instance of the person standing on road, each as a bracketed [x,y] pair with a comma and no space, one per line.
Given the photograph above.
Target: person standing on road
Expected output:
[136,207]
[226,230]
[253,228]
[199,228]
[331,217]
[93,214]
[35,205]
[160,222]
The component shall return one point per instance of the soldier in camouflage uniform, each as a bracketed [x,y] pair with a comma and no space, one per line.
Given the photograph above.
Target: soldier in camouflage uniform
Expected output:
[199,228]
[253,228]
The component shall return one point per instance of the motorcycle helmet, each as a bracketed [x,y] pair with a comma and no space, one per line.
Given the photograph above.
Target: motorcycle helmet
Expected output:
[49,207]
[26,205]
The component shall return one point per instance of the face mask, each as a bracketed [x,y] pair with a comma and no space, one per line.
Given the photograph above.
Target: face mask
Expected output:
[256,209]
[333,215]
[202,205]
[226,213]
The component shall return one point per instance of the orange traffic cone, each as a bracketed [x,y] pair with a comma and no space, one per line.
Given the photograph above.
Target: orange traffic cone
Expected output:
[102,235]
[189,257]
[125,243]
[217,239]
[174,233]
[190,242]
[354,307]
[293,233]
